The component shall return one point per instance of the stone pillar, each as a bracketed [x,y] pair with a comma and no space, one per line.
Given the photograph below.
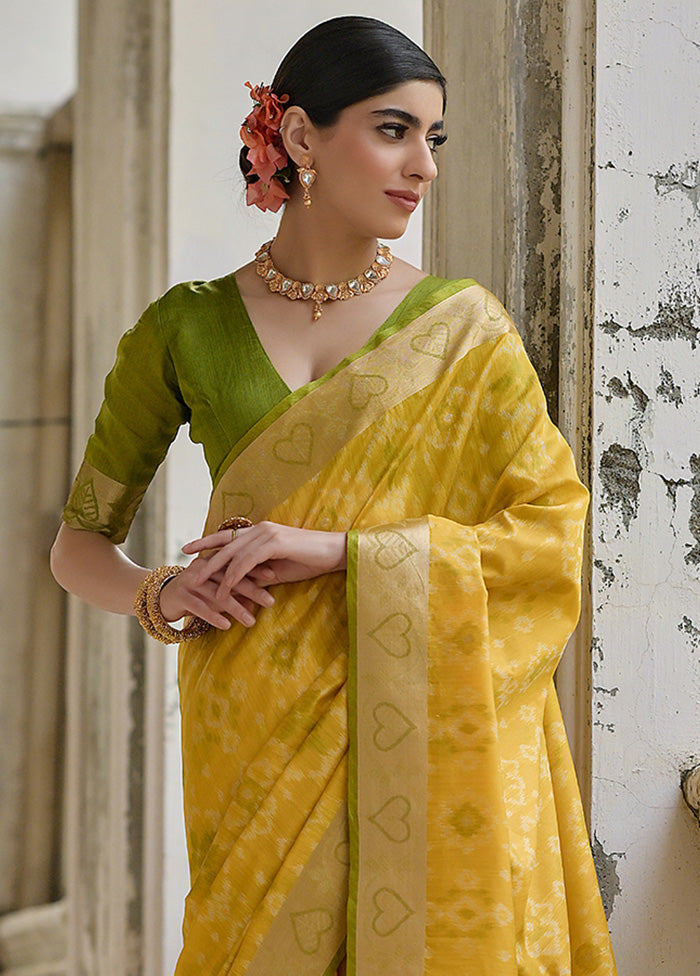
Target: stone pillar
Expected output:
[34,434]
[115,693]
[519,122]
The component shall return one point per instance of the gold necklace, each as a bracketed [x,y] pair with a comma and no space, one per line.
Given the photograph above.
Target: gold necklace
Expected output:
[320,293]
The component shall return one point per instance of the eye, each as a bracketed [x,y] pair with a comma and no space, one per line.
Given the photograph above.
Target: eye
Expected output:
[436,141]
[395,130]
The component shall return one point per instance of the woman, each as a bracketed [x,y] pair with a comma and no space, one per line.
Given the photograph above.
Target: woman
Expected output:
[374,762]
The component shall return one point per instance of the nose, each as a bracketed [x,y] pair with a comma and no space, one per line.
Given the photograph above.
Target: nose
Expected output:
[421,163]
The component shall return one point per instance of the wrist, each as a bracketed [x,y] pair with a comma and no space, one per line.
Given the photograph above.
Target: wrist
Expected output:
[166,606]
[149,614]
[342,551]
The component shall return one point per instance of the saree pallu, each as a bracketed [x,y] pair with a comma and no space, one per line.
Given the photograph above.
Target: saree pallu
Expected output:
[378,769]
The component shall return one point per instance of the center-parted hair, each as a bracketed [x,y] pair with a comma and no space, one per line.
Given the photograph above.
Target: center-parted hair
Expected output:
[344,61]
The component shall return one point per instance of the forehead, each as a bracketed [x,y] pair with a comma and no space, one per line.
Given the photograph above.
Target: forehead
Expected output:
[422,99]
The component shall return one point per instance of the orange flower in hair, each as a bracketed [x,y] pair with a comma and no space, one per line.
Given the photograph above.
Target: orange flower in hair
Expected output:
[266,153]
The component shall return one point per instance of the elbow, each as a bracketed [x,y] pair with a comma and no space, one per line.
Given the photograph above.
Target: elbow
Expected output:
[56,561]
[62,558]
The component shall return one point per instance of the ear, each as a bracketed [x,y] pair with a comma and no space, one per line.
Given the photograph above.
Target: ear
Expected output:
[297,134]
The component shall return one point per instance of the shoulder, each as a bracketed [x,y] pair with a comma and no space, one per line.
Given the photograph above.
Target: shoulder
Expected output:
[192,302]
[470,304]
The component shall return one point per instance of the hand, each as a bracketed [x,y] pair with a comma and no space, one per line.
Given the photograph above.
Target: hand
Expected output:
[266,553]
[187,593]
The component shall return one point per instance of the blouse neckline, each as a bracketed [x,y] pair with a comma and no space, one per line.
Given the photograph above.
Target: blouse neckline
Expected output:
[391,324]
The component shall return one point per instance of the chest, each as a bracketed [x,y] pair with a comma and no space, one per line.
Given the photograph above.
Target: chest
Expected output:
[301,349]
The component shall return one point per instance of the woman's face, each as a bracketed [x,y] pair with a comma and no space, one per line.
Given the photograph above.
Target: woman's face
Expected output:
[377,161]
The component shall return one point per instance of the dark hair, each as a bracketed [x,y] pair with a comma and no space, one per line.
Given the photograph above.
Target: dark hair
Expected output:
[344,61]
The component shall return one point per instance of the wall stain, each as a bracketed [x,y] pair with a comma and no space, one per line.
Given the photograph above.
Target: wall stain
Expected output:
[668,390]
[673,320]
[686,626]
[672,487]
[606,572]
[608,878]
[619,471]
[680,179]
[694,521]
[618,389]
[597,653]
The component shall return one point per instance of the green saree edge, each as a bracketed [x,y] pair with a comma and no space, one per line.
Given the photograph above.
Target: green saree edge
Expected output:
[336,960]
[351,591]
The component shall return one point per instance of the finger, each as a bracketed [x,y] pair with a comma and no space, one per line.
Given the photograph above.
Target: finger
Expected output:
[199,607]
[257,594]
[263,574]
[213,541]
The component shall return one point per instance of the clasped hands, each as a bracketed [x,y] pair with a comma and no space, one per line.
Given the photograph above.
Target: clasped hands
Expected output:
[231,576]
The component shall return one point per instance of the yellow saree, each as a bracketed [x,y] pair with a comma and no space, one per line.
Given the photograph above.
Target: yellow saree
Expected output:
[378,768]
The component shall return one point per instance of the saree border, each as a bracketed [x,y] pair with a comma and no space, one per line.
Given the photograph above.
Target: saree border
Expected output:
[297,444]
[311,941]
[388,725]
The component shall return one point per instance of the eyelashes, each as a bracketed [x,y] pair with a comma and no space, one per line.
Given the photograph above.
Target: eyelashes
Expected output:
[396,130]
[436,141]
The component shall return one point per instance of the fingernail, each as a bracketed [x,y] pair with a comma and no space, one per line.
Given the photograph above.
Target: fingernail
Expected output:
[268,599]
[248,619]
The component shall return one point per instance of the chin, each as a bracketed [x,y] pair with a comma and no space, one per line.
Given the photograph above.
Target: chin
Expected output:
[391,230]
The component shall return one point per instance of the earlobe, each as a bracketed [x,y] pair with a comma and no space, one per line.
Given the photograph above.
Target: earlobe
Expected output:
[295,130]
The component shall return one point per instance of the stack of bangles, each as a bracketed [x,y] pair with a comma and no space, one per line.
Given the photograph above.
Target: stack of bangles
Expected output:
[147,603]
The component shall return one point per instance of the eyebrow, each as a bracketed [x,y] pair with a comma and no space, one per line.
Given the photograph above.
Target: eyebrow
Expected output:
[406,117]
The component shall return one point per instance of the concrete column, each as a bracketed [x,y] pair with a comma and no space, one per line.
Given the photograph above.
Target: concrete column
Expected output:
[519,121]
[34,433]
[115,680]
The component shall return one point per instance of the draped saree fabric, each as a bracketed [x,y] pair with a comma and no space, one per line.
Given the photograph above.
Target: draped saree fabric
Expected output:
[377,769]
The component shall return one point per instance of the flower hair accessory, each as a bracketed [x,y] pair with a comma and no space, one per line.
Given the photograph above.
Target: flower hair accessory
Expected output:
[267,156]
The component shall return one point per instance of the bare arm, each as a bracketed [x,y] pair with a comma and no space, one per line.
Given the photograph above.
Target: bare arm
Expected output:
[229,584]
[88,565]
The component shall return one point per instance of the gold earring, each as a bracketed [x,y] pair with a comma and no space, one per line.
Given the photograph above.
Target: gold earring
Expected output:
[307,177]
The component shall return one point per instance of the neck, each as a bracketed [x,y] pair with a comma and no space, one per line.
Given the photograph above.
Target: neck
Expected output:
[309,248]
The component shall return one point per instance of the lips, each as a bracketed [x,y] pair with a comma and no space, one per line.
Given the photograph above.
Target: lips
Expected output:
[406,199]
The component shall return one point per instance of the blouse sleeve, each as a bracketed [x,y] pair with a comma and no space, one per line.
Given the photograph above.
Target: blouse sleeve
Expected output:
[140,415]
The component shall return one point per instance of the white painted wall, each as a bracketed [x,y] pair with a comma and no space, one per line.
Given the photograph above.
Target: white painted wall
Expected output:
[218,45]
[646,512]
[38,53]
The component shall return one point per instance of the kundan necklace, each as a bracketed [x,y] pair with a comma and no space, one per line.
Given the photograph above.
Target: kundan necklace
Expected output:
[320,293]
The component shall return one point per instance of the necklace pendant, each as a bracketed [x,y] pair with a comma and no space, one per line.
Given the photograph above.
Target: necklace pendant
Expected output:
[318,311]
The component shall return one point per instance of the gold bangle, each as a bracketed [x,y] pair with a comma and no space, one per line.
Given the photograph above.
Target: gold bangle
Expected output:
[150,616]
[235,522]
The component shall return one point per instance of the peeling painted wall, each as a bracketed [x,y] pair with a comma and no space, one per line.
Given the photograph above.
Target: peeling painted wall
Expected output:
[646,479]
[534,213]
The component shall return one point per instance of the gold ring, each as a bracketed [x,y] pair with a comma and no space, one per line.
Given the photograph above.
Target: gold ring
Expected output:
[235,522]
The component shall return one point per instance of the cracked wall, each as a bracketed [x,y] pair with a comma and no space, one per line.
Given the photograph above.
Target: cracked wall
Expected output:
[646,478]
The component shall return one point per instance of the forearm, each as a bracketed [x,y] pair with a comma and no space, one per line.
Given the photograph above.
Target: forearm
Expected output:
[90,566]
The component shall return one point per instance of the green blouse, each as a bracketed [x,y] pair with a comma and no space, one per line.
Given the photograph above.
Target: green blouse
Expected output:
[193,357]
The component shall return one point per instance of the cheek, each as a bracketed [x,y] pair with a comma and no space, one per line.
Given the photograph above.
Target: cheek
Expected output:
[362,160]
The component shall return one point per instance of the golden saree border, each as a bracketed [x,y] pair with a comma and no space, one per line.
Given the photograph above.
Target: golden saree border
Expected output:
[308,932]
[388,723]
[97,503]
[296,445]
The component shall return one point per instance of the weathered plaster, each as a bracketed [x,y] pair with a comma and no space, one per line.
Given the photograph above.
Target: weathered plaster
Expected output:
[608,878]
[646,479]
[533,286]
